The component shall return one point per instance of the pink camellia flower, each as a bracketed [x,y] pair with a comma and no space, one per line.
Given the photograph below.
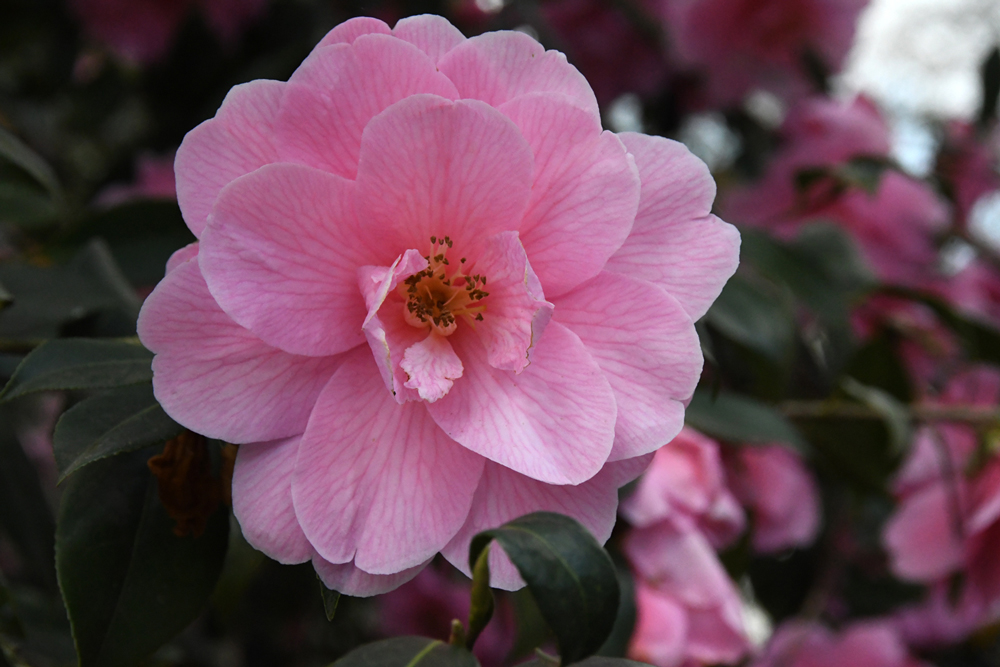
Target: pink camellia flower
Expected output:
[144,30]
[686,481]
[430,295]
[681,512]
[948,521]
[780,493]
[427,605]
[691,617]
[743,45]
[867,644]
[896,226]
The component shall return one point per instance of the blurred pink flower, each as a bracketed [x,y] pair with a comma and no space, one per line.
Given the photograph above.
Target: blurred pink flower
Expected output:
[687,482]
[896,226]
[681,511]
[427,605]
[154,179]
[689,618]
[743,45]
[948,521]
[144,30]
[867,644]
[610,50]
[430,296]
[779,491]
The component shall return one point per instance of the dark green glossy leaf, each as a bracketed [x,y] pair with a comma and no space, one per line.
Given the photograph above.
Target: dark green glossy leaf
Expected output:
[24,512]
[86,296]
[10,624]
[113,422]
[140,234]
[80,363]
[737,418]
[568,573]
[822,267]
[128,582]
[17,152]
[26,205]
[755,315]
[408,652]
[330,601]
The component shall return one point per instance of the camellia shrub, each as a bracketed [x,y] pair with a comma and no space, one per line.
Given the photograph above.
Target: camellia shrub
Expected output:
[488,334]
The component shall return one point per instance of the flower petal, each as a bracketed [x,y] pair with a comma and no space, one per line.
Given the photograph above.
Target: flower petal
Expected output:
[504,495]
[235,142]
[432,34]
[333,95]
[190,251]
[922,536]
[675,243]
[215,377]
[554,422]
[351,29]
[280,256]
[432,367]
[387,333]
[679,561]
[516,311]
[585,195]
[647,348]
[349,579]
[430,166]
[375,481]
[262,500]
[496,67]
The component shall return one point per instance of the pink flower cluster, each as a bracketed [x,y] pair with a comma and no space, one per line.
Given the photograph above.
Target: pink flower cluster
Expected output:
[948,520]
[803,644]
[430,295]
[742,45]
[896,225]
[682,511]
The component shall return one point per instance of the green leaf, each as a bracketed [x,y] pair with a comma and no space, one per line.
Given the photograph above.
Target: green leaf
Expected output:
[18,153]
[737,418]
[113,422]
[568,573]
[86,296]
[330,601]
[24,512]
[140,234]
[26,205]
[822,267]
[755,315]
[128,582]
[408,652]
[80,363]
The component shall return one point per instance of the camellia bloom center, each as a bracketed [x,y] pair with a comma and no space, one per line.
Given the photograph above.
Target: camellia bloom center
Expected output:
[435,296]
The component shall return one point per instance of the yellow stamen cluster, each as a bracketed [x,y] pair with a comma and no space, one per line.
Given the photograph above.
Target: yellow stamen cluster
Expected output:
[436,298]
